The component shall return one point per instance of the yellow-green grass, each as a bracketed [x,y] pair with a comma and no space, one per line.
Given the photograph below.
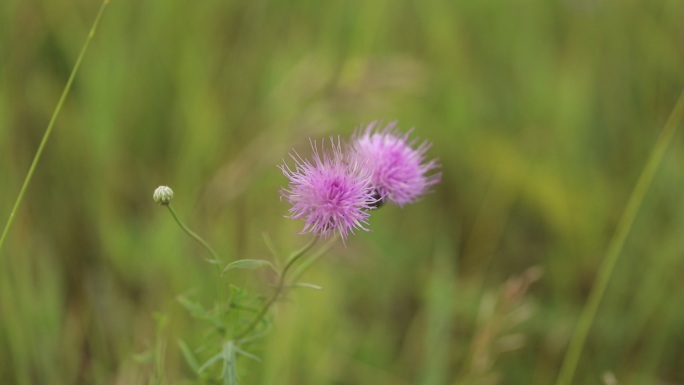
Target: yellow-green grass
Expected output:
[543,115]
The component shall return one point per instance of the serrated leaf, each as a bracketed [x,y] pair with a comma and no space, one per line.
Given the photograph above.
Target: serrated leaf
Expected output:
[309,285]
[189,356]
[248,264]
[248,355]
[214,359]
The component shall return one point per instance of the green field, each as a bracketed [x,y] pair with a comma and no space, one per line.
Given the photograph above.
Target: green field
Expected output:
[543,115]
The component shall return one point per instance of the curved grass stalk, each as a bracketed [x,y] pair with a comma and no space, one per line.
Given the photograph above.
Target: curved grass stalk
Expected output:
[624,226]
[51,124]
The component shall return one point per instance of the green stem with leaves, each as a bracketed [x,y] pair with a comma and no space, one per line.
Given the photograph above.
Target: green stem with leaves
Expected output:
[617,242]
[279,288]
[51,124]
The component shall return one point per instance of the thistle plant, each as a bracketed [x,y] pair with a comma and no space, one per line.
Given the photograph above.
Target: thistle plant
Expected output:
[334,193]
[331,193]
[399,170]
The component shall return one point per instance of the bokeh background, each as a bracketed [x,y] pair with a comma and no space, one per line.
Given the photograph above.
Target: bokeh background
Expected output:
[542,114]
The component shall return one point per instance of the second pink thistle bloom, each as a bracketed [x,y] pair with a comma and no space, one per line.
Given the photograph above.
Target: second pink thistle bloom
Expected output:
[399,171]
[330,193]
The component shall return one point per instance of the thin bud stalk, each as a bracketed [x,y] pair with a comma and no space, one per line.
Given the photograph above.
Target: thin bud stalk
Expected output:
[216,260]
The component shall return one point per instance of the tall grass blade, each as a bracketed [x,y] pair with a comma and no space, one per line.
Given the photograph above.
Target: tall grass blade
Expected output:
[624,226]
[51,124]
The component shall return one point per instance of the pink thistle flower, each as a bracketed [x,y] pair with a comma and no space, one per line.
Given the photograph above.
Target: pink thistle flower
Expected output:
[399,171]
[330,193]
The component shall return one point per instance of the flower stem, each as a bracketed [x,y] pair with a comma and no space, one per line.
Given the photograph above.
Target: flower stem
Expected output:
[605,272]
[279,288]
[51,124]
[318,254]
[194,235]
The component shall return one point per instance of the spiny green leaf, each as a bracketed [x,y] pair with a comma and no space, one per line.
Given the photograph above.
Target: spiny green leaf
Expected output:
[214,359]
[189,356]
[248,264]
[248,355]
[309,285]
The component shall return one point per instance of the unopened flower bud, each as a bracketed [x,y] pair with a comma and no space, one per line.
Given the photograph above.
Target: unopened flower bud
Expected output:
[163,195]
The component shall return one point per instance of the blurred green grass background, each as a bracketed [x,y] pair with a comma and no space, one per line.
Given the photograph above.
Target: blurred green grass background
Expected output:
[542,114]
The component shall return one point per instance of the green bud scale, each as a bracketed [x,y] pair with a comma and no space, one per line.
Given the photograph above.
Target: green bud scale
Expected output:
[163,195]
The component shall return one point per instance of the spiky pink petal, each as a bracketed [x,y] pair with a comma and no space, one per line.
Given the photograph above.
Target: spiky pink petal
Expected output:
[329,192]
[399,169]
